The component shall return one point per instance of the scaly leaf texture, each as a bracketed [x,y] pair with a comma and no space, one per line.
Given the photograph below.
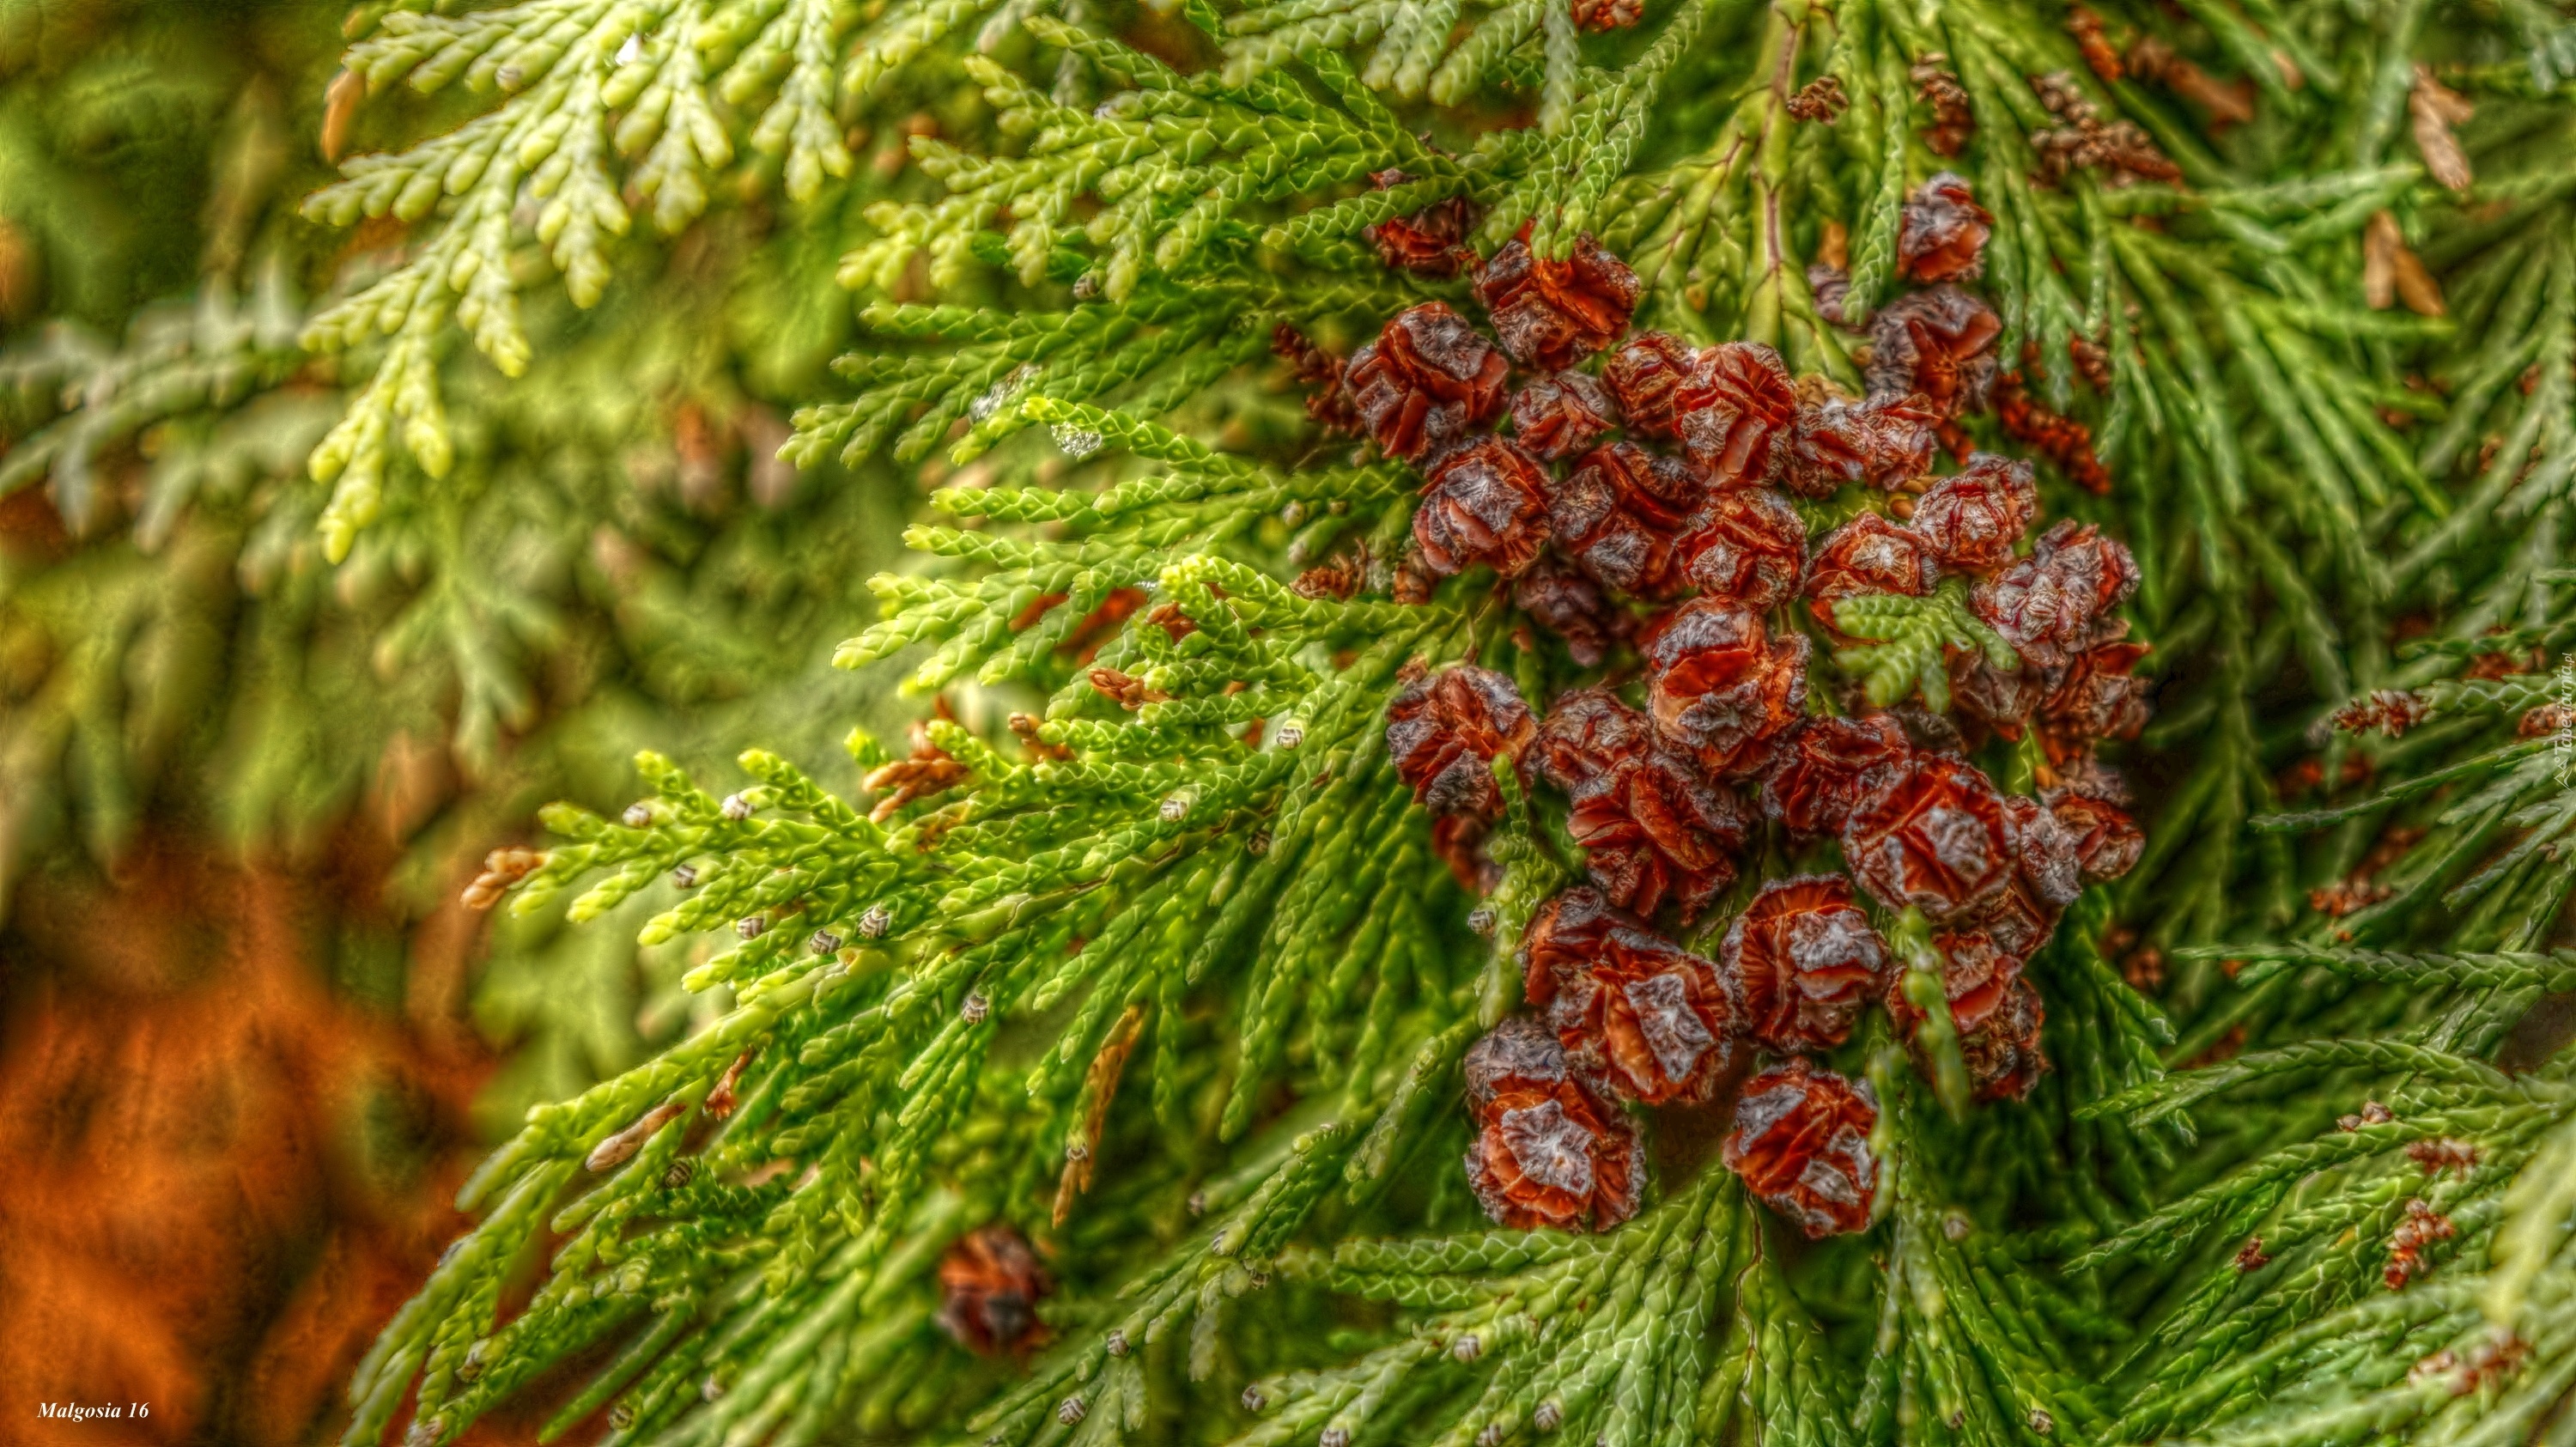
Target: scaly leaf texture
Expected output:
[2294,1177]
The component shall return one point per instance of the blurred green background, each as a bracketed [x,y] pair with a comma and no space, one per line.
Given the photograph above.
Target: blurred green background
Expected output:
[248,1038]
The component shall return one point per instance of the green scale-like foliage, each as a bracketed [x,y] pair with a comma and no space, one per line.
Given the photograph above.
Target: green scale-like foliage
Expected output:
[1179,989]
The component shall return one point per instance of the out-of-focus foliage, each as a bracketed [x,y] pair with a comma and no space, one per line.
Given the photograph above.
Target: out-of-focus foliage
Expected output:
[612,558]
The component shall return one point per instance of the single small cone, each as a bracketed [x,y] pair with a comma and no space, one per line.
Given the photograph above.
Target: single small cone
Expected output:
[2436,108]
[2391,272]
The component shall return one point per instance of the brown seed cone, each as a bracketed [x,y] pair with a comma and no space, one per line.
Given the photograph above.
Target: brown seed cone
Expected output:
[1553,314]
[1869,554]
[1623,1000]
[1723,689]
[1321,372]
[1830,769]
[2045,858]
[1735,412]
[1996,1011]
[2095,697]
[1886,441]
[1939,840]
[2001,701]
[1549,1149]
[1942,236]
[1939,344]
[990,1284]
[1800,962]
[1419,243]
[1587,733]
[1748,546]
[1953,120]
[1458,841]
[2020,920]
[1620,513]
[1428,381]
[1431,241]
[1485,503]
[1644,374]
[1801,1143]
[1828,447]
[2107,842]
[1972,520]
[2003,1055]
[1607,14]
[1977,975]
[1444,732]
[1649,823]
[1659,831]
[1830,285]
[2049,605]
[1557,416]
[1560,598]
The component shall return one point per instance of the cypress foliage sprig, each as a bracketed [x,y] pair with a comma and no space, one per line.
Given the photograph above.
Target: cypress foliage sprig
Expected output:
[2289,1193]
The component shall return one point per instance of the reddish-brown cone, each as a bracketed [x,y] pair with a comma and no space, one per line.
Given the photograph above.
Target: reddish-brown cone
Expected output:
[1885,442]
[1830,285]
[2046,877]
[1321,372]
[1938,840]
[1458,841]
[1830,769]
[1560,598]
[1431,241]
[2003,1055]
[1976,976]
[1869,554]
[1939,344]
[2001,701]
[1996,1011]
[1800,962]
[1650,826]
[1749,546]
[1428,381]
[1607,14]
[1644,374]
[1589,732]
[1553,314]
[1622,999]
[1557,416]
[1444,732]
[1620,513]
[1942,236]
[2107,842]
[1972,520]
[2045,866]
[1485,503]
[1828,447]
[990,1283]
[2047,606]
[1801,1143]
[2096,697]
[2020,920]
[1723,688]
[1657,830]
[1549,1149]
[1735,411]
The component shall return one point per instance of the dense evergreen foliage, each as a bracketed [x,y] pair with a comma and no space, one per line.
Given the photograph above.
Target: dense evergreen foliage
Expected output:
[1141,990]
